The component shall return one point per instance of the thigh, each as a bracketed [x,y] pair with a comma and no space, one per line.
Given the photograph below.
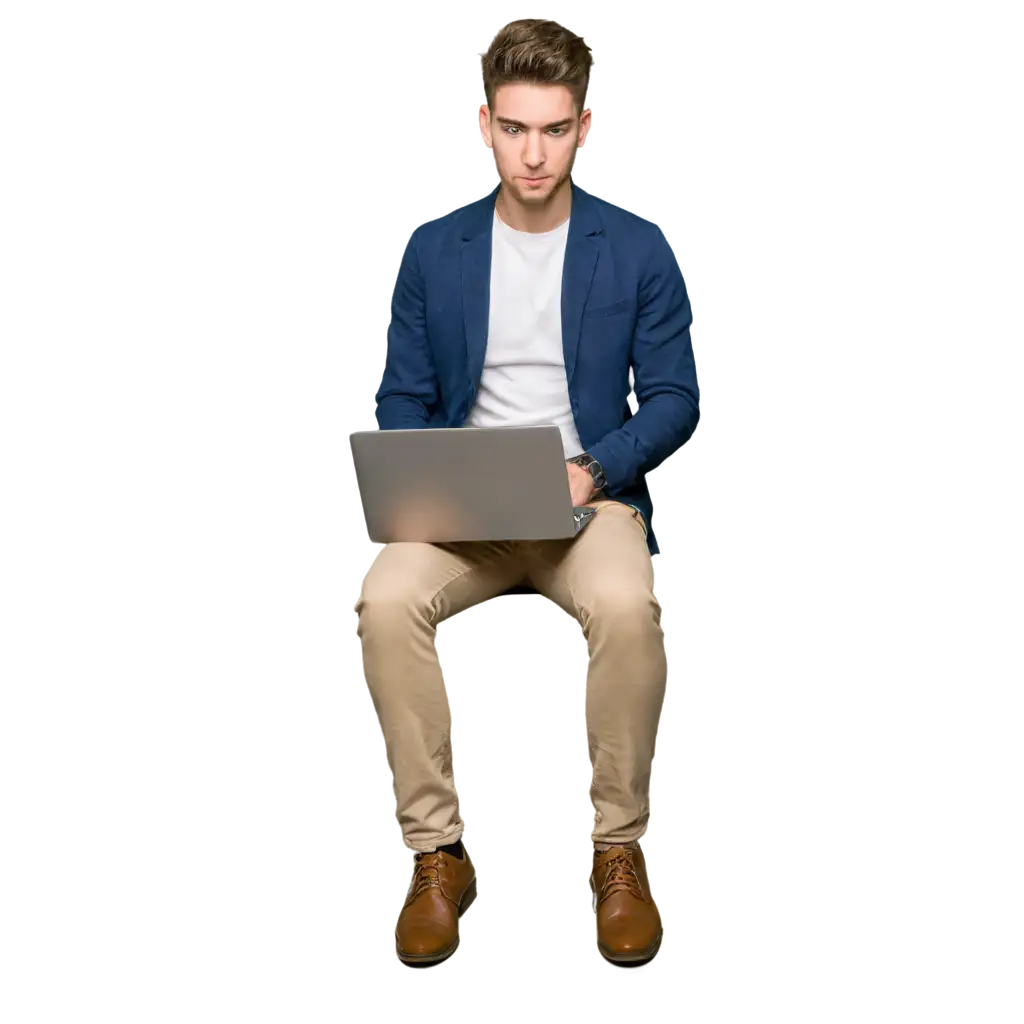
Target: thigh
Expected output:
[608,563]
[442,578]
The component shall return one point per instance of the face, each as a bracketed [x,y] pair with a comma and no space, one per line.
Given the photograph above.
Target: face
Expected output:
[537,139]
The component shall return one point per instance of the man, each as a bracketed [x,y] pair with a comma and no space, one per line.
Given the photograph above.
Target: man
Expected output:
[531,306]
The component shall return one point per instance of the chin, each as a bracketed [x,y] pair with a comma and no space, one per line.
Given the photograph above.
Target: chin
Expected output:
[526,192]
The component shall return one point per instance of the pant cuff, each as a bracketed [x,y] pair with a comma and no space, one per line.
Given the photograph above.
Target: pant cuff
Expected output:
[429,846]
[606,841]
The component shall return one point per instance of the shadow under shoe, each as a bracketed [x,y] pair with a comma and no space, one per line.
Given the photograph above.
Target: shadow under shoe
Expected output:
[442,888]
[628,923]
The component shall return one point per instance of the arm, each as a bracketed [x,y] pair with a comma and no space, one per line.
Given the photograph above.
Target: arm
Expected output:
[664,376]
[409,391]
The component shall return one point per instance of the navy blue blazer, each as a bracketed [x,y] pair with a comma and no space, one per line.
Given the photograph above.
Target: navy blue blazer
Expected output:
[624,306]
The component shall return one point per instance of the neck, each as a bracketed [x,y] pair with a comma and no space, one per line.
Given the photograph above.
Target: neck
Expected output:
[532,218]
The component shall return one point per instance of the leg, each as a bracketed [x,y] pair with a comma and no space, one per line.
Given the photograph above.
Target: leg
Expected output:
[604,578]
[409,589]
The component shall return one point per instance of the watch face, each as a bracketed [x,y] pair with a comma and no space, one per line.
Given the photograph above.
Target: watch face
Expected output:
[592,466]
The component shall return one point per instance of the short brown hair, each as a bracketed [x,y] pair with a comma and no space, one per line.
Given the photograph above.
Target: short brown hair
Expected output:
[535,50]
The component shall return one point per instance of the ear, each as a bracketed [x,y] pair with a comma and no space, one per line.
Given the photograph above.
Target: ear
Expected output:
[485,124]
[584,126]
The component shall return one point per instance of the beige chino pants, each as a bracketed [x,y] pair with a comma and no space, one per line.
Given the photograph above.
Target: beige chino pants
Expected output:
[603,577]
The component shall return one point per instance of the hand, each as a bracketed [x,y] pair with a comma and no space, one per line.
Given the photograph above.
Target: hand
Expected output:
[581,484]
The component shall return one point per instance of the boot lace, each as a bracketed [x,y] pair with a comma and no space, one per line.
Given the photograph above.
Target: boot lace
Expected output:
[622,875]
[426,874]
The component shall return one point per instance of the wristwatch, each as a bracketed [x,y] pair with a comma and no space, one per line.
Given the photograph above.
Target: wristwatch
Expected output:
[589,463]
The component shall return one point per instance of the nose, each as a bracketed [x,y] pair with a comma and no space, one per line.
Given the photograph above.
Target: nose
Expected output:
[533,155]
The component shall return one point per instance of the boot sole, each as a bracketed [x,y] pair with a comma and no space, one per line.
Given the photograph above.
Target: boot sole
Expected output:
[426,959]
[637,959]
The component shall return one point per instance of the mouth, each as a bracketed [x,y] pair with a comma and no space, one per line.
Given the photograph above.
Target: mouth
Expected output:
[534,181]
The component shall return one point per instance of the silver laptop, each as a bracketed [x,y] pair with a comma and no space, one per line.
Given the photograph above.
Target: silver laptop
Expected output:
[465,483]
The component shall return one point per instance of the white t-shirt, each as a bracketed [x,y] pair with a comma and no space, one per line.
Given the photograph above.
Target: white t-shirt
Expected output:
[523,380]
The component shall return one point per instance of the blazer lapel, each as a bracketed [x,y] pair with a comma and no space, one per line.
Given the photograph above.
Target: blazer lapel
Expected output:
[582,251]
[476,282]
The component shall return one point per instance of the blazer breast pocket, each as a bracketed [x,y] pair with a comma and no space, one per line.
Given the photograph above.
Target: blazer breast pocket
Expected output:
[610,309]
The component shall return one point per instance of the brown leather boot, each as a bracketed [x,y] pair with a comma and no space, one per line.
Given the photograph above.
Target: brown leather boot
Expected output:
[441,890]
[628,922]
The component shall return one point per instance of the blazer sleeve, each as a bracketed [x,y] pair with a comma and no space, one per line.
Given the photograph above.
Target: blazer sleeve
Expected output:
[409,394]
[664,376]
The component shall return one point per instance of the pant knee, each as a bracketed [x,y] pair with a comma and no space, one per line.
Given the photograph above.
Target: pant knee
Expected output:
[392,611]
[632,610]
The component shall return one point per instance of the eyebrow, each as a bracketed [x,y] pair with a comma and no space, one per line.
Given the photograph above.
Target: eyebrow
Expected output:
[519,124]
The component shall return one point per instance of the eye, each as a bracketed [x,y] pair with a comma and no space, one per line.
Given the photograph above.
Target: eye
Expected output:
[509,128]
